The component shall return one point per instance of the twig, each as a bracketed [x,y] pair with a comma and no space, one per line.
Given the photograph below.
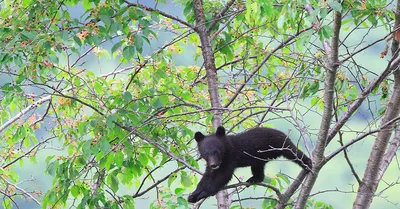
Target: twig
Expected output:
[266,58]
[24,111]
[276,190]
[329,157]
[160,12]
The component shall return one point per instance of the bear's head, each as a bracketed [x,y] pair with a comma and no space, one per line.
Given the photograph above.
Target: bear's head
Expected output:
[213,147]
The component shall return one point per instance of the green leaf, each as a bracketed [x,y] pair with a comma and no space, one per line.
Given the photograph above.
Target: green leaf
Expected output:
[26,3]
[106,19]
[171,179]
[53,58]
[382,110]
[75,191]
[98,87]
[110,121]
[157,103]
[115,27]
[138,42]
[314,87]
[284,178]
[327,31]
[80,161]
[77,40]
[114,183]
[323,12]
[28,35]
[182,202]
[104,145]
[27,142]
[96,40]
[6,203]
[87,4]
[128,52]
[185,180]
[107,161]
[314,101]
[119,159]
[51,168]
[335,6]
[179,191]
[273,203]
[143,159]
[267,180]
[266,203]
[155,17]
[188,8]
[127,96]
[128,203]
[116,46]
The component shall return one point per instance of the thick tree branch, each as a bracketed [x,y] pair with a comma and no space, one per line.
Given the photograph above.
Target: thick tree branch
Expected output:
[361,97]
[209,64]
[276,190]
[285,197]
[394,146]
[378,162]
[209,61]
[373,173]
[318,153]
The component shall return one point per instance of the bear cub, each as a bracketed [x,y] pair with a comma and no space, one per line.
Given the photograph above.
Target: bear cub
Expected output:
[255,147]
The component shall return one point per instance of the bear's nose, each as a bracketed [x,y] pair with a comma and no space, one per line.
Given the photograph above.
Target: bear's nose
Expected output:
[214,166]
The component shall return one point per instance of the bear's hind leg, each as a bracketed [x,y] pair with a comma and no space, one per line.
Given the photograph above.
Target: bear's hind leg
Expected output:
[258,174]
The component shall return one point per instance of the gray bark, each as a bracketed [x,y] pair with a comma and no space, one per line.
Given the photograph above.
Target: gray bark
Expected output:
[378,161]
[372,174]
[318,153]
[209,64]
[394,146]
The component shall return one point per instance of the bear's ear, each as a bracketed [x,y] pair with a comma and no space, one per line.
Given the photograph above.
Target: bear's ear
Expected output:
[220,131]
[198,136]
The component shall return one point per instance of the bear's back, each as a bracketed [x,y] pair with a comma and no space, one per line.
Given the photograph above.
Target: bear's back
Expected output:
[257,145]
[260,137]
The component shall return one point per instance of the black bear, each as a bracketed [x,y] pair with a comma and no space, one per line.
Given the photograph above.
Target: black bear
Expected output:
[255,147]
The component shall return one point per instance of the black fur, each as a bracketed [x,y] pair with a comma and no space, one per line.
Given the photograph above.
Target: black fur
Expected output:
[255,147]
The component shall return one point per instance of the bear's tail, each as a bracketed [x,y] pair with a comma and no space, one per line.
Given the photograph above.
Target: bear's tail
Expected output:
[292,153]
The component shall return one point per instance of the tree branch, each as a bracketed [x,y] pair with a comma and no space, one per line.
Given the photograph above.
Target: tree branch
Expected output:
[318,153]
[266,58]
[209,64]
[378,161]
[24,111]
[394,146]
[160,12]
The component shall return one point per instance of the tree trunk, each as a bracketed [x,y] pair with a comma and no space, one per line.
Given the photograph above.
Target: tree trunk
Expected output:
[371,177]
[378,162]
[209,64]
[329,87]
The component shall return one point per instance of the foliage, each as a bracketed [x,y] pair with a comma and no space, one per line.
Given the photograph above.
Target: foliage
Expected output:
[91,79]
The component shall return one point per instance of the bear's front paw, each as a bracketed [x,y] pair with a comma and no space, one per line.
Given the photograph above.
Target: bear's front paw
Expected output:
[192,198]
[196,196]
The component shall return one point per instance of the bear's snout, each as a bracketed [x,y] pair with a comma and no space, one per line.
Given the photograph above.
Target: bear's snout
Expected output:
[214,166]
[213,163]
